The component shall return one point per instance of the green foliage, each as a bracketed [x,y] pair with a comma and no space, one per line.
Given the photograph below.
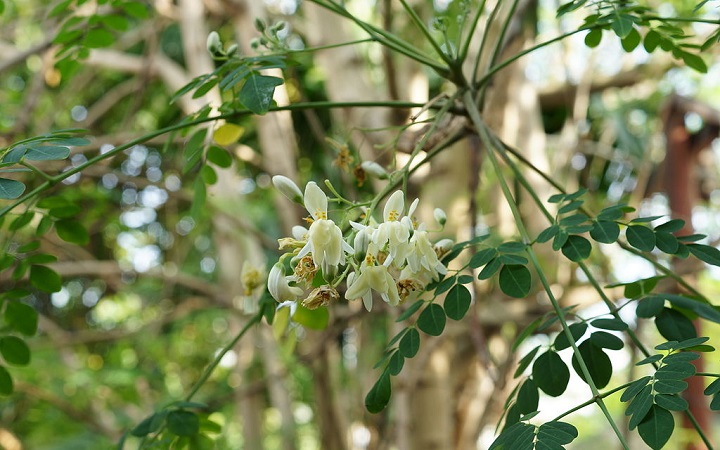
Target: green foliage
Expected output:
[652,398]
[457,302]
[551,374]
[515,280]
[522,436]
[379,395]
[432,320]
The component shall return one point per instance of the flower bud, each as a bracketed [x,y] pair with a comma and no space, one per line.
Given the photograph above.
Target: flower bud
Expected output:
[443,246]
[361,242]
[440,216]
[260,25]
[288,188]
[374,169]
[232,49]
[214,46]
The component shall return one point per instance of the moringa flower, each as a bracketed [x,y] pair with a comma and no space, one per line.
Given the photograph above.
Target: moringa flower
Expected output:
[288,188]
[325,240]
[372,278]
[279,286]
[393,231]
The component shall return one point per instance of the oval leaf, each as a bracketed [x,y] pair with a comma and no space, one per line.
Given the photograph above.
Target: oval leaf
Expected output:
[410,343]
[45,279]
[657,427]
[14,350]
[640,237]
[10,189]
[576,248]
[432,320]
[457,302]
[605,231]
[315,319]
[225,135]
[597,362]
[21,317]
[551,374]
[72,231]
[47,153]
[6,382]
[528,397]
[515,280]
[674,325]
[377,399]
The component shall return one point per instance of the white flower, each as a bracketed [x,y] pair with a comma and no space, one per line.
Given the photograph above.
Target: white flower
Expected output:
[363,237]
[393,231]
[288,188]
[423,260]
[325,240]
[279,287]
[372,278]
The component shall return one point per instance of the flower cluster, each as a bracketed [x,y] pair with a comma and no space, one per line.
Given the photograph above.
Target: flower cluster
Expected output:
[393,258]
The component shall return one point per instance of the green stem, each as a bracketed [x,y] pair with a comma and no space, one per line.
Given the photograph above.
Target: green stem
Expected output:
[664,270]
[483,41]
[592,400]
[483,133]
[591,278]
[682,19]
[329,46]
[496,68]
[500,39]
[36,170]
[424,30]
[465,49]
[339,198]
[211,368]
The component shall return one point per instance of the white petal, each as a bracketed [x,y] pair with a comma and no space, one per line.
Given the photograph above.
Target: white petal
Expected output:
[367,301]
[413,206]
[299,232]
[316,201]
[394,206]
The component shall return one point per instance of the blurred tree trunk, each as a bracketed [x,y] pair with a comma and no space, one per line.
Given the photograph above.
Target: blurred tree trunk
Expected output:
[682,188]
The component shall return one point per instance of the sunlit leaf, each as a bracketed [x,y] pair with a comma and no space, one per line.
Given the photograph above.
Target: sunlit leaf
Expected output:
[226,134]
